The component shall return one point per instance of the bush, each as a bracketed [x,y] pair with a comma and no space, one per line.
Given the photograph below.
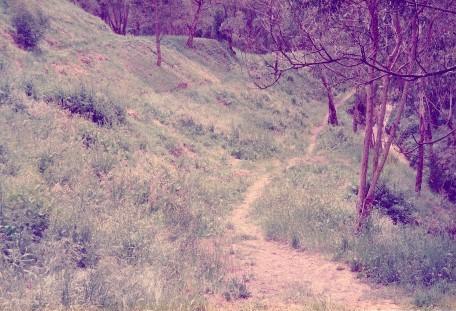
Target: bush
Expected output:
[236,289]
[392,203]
[29,27]
[101,110]
[442,177]
[23,225]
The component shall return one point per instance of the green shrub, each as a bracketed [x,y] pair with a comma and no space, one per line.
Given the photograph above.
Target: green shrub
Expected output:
[191,127]
[392,202]
[23,224]
[442,177]
[30,27]
[407,256]
[236,289]
[5,92]
[101,110]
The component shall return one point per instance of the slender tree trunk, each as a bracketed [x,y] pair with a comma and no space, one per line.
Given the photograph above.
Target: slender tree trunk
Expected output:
[158,45]
[385,81]
[380,121]
[452,140]
[355,118]
[421,147]
[158,33]
[370,104]
[192,27]
[362,188]
[366,205]
[332,113]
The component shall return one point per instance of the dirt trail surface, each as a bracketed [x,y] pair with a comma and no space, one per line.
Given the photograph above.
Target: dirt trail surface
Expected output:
[276,273]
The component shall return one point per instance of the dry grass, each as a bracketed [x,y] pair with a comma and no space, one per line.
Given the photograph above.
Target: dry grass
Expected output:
[120,206]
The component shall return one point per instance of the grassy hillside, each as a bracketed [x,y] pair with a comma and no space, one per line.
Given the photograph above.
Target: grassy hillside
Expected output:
[117,176]
[113,170]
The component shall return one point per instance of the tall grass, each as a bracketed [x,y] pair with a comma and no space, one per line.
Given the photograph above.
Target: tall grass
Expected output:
[89,220]
[312,206]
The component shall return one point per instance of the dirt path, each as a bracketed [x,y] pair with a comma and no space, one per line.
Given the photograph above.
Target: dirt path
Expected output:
[279,277]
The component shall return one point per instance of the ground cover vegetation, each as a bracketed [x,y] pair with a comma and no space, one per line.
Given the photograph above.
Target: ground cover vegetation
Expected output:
[128,133]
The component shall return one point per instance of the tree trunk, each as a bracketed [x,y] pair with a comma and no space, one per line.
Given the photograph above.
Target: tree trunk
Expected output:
[355,118]
[392,58]
[192,27]
[421,147]
[452,139]
[370,104]
[366,205]
[332,113]
[158,33]
[362,186]
[381,121]
[158,45]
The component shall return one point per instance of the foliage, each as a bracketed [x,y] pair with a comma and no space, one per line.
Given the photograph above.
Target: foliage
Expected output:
[443,172]
[102,110]
[30,27]
[236,289]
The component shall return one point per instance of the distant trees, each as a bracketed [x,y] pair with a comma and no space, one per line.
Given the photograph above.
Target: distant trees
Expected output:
[383,47]
[197,9]
[395,53]
[116,14]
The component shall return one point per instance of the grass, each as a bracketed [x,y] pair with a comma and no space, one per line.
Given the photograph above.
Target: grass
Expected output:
[403,246]
[111,175]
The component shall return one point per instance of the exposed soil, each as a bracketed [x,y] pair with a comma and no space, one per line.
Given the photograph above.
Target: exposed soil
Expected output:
[277,275]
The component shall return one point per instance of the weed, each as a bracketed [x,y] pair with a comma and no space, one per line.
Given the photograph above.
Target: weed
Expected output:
[30,27]
[101,110]
[236,289]
[295,241]
[23,225]
[102,163]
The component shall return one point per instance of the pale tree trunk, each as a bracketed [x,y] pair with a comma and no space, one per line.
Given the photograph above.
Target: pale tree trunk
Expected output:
[192,27]
[365,206]
[332,113]
[385,81]
[370,103]
[421,146]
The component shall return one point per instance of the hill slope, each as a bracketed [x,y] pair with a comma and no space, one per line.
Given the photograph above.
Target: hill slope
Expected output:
[117,178]
[113,170]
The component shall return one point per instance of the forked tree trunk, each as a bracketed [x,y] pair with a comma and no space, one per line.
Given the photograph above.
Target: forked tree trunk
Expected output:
[361,207]
[392,58]
[192,26]
[332,113]
[362,187]
[364,204]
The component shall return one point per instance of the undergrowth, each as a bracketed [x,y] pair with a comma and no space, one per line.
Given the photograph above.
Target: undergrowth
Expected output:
[400,245]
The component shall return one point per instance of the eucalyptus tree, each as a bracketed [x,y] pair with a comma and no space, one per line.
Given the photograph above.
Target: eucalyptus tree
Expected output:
[368,44]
